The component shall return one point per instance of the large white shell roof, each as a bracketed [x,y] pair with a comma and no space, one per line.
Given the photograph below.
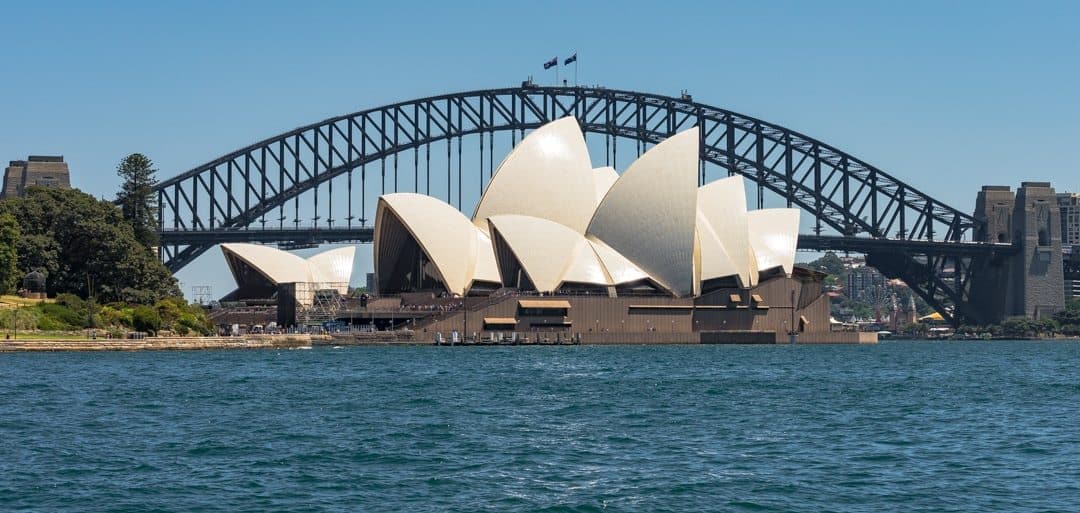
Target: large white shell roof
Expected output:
[452,243]
[648,215]
[564,221]
[548,175]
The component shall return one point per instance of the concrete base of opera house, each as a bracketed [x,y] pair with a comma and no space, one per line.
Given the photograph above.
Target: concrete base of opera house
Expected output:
[729,337]
[764,314]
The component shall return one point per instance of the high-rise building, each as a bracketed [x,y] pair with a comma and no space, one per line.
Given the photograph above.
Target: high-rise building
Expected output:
[1069,204]
[36,170]
[864,282]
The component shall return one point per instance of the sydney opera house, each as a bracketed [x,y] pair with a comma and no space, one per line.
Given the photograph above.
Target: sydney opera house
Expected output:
[266,275]
[556,248]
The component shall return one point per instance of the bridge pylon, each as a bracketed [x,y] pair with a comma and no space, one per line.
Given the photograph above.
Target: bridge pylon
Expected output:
[1027,282]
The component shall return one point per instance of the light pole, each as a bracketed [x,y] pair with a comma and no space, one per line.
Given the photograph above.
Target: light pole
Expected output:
[793,335]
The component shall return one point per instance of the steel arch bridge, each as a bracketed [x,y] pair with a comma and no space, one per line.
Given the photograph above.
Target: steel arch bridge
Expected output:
[256,193]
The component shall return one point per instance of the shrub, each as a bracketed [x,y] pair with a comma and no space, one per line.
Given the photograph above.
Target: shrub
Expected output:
[145,318]
[47,323]
[194,322]
[27,318]
[61,316]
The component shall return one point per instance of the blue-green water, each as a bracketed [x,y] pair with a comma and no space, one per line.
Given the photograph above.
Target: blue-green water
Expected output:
[901,426]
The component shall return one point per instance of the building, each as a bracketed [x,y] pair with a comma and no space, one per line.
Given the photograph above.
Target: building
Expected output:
[1069,205]
[35,171]
[559,249]
[301,289]
[1072,273]
[864,283]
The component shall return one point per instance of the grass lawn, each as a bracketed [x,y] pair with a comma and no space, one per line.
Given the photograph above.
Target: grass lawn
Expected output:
[8,301]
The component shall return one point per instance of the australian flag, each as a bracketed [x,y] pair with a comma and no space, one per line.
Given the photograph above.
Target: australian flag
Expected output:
[572,58]
[553,62]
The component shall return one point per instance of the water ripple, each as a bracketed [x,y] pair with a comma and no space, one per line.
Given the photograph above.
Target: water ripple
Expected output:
[899,426]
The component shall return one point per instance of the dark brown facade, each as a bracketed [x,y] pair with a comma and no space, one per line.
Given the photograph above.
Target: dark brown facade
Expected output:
[767,313]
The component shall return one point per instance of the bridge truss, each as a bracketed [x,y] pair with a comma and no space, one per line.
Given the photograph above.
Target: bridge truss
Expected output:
[282,189]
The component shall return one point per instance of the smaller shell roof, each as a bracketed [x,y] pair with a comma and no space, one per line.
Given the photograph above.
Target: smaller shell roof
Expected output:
[549,252]
[774,235]
[722,204]
[333,266]
[604,178]
[620,270]
[278,266]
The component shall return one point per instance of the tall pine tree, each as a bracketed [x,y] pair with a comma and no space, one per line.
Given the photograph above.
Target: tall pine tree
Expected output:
[136,197]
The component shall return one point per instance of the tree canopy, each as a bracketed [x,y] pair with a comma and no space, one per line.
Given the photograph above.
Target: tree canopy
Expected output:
[80,242]
[9,256]
[136,197]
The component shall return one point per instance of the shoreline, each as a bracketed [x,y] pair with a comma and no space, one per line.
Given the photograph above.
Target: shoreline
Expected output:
[297,341]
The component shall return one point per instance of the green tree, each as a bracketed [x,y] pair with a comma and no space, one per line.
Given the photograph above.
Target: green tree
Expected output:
[136,197]
[9,255]
[1070,316]
[78,240]
[829,263]
[146,318]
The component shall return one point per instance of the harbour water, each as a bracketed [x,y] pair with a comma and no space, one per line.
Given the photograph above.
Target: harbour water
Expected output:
[916,426]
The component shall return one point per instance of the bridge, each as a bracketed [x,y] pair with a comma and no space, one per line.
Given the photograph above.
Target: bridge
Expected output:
[318,183]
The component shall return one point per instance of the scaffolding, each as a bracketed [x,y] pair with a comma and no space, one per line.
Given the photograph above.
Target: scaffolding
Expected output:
[202,294]
[325,305]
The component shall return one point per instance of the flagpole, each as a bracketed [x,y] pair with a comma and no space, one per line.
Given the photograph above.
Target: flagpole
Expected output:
[556,72]
[575,68]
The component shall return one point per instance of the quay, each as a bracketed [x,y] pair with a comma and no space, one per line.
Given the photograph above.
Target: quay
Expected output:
[410,338]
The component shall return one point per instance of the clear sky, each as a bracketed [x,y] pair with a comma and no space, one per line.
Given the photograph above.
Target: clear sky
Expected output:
[945,95]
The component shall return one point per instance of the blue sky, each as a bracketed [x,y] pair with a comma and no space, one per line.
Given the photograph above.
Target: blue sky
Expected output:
[945,95]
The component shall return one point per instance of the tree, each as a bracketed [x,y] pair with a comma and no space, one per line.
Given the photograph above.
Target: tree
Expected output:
[1070,316]
[136,197]
[78,240]
[146,318]
[9,255]
[829,263]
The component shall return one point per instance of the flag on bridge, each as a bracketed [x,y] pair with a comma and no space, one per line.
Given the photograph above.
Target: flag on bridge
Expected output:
[572,58]
[553,62]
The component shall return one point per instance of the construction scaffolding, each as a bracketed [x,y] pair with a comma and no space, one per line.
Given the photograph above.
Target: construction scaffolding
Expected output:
[325,306]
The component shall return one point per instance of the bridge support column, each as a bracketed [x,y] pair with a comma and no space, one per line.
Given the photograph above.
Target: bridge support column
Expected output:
[1029,282]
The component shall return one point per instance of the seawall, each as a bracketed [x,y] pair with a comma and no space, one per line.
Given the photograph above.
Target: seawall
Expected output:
[161,343]
[410,338]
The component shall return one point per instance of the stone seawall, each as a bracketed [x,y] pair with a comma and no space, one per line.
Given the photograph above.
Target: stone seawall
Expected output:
[162,343]
[407,338]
